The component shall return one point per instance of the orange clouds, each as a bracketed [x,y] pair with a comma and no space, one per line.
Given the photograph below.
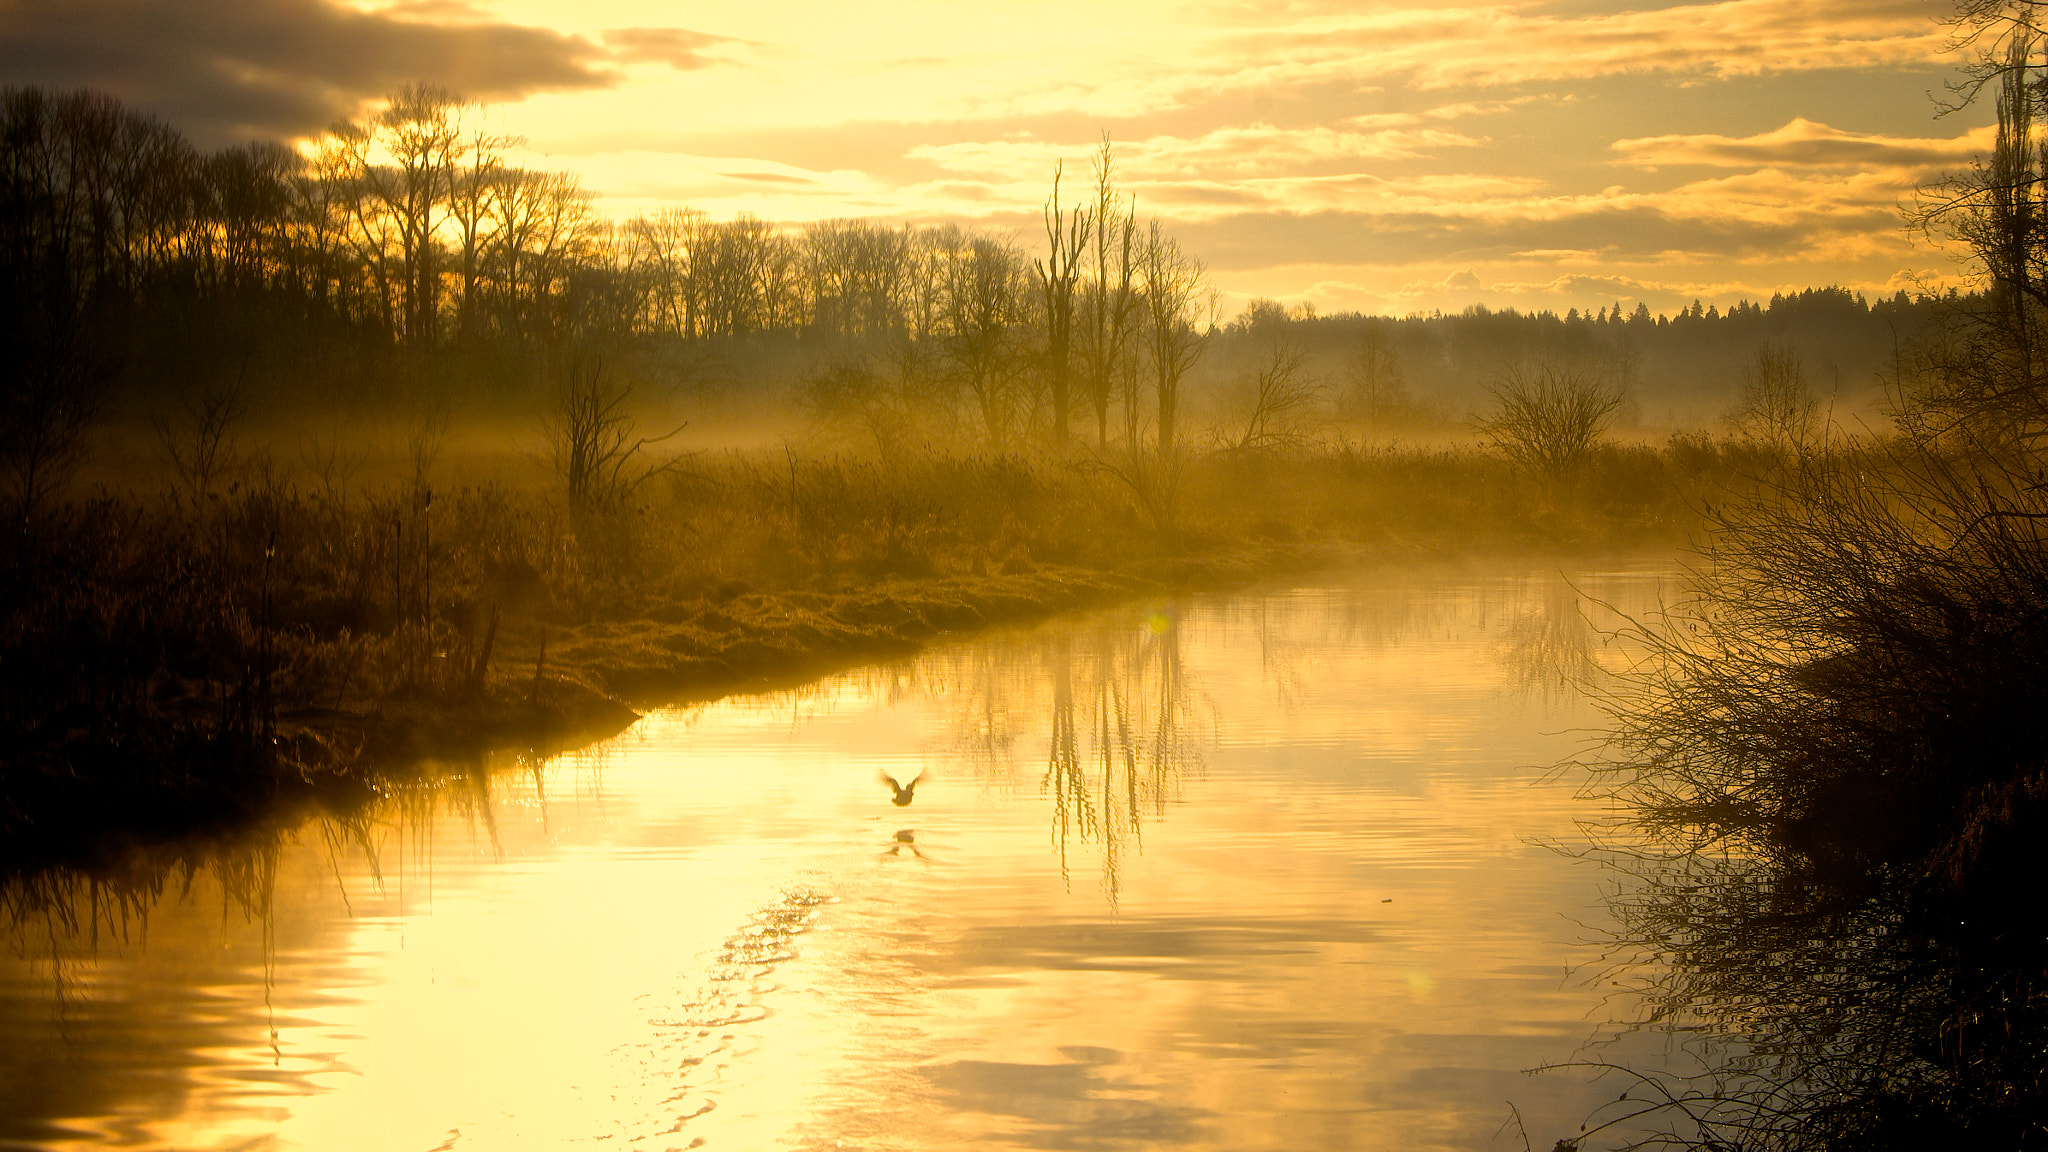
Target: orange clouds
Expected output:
[1804,143]
[1527,146]
[1225,152]
[1494,46]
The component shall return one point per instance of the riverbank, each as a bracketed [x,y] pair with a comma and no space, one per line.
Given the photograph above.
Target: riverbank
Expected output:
[547,688]
[204,658]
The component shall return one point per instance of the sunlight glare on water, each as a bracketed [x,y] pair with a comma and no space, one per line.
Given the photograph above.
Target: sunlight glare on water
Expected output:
[1273,870]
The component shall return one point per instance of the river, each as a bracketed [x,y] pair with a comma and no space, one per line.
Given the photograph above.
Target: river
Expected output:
[1283,869]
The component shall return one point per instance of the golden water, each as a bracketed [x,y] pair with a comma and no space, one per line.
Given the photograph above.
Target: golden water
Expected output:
[1275,870]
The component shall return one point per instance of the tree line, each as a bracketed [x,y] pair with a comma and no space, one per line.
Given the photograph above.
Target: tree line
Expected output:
[412,243]
[1684,369]
[409,255]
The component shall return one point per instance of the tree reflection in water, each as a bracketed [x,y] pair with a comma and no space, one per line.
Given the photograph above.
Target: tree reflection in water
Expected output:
[1119,735]
[126,1039]
[1844,986]
[1131,691]
[1889,1014]
[1549,650]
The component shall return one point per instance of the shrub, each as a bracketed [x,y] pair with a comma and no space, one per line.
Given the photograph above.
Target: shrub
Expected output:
[1549,421]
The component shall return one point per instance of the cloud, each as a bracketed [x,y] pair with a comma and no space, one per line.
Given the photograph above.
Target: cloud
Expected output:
[1774,215]
[1929,281]
[1222,152]
[1450,193]
[1807,143]
[1458,111]
[1582,286]
[1203,194]
[1492,46]
[1292,212]
[772,178]
[679,48]
[229,69]
[439,11]
[636,181]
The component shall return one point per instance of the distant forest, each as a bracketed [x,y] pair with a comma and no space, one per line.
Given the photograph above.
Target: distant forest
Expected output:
[1684,370]
[405,259]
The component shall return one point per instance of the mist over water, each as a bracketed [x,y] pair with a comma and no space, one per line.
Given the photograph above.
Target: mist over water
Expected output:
[1275,870]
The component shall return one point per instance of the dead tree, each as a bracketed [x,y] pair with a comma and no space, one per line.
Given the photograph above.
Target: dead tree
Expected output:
[1066,233]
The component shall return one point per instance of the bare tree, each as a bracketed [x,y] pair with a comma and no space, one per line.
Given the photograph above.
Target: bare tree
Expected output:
[744,272]
[923,300]
[1777,408]
[784,294]
[1154,479]
[856,271]
[1066,234]
[1376,387]
[1279,396]
[240,197]
[590,437]
[197,437]
[982,324]
[608,288]
[1109,308]
[1987,378]
[667,241]
[1549,421]
[58,247]
[543,226]
[1173,283]
[419,133]
[369,235]
[473,179]
[46,407]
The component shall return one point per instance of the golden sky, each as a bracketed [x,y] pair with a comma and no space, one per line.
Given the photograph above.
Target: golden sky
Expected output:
[1387,157]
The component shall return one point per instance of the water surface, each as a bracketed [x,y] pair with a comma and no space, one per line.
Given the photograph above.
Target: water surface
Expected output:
[1274,870]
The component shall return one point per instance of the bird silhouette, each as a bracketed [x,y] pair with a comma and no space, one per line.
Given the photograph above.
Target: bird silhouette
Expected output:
[903,792]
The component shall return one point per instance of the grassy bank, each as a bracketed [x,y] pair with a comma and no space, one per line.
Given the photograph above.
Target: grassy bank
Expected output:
[195,657]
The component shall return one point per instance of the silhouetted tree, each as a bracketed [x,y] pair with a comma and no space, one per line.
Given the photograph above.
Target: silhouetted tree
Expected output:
[1777,409]
[1108,311]
[1173,286]
[1550,420]
[1376,387]
[984,325]
[1986,376]
[1066,234]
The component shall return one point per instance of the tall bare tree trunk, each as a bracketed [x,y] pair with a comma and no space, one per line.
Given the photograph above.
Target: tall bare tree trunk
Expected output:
[1066,233]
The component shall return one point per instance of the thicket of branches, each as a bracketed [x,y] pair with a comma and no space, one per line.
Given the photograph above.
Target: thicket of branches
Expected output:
[1835,762]
[1834,752]
[1550,420]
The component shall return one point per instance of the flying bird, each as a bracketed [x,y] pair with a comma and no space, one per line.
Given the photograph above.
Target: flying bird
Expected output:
[903,792]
